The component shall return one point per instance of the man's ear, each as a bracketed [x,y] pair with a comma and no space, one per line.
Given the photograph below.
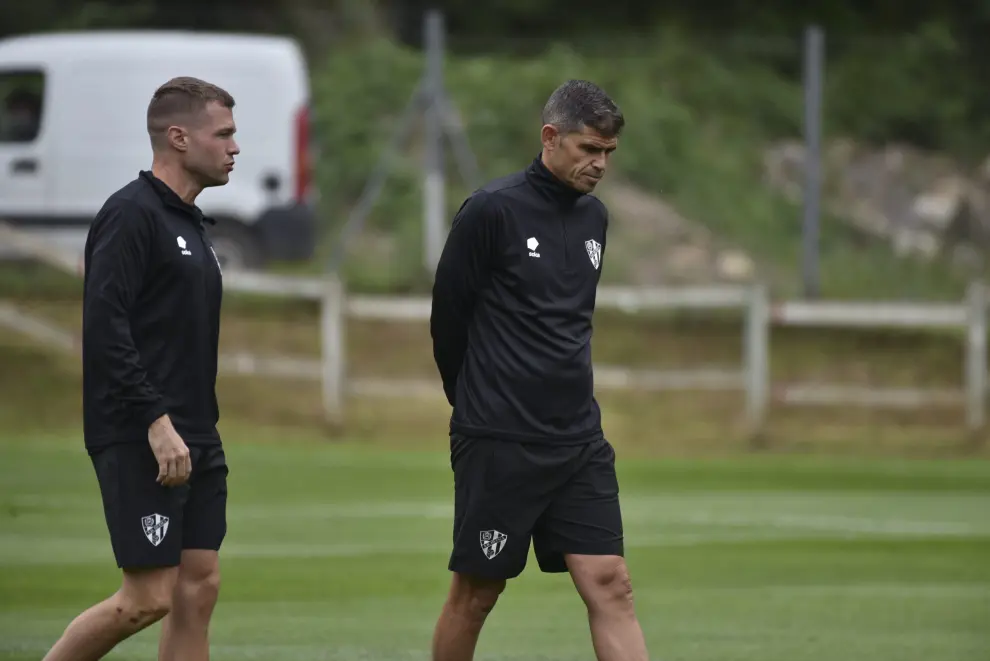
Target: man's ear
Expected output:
[550,137]
[177,138]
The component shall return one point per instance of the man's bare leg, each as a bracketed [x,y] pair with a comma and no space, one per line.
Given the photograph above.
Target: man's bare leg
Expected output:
[604,585]
[468,604]
[144,598]
[185,632]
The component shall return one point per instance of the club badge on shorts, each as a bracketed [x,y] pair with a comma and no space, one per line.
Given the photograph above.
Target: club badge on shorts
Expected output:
[155,527]
[594,252]
[492,542]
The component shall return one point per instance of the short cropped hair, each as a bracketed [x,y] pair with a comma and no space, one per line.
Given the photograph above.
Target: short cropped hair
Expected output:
[180,99]
[579,103]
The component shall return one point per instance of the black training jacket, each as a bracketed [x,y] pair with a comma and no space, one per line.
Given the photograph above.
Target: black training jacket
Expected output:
[151,318]
[512,310]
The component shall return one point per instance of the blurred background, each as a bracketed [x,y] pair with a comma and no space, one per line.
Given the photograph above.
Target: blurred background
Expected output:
[790,343]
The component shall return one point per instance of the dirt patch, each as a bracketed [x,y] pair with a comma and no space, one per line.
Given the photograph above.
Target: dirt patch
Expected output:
[653,244]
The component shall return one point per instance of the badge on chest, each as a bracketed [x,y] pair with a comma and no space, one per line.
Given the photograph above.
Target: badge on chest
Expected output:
[594,252]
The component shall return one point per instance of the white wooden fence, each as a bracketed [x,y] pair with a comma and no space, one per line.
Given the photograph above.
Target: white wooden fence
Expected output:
[752,377]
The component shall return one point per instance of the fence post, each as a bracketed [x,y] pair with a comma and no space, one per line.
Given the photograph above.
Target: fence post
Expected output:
[976,357]
[814,66]
[332,341]
[434,230]
[756,358]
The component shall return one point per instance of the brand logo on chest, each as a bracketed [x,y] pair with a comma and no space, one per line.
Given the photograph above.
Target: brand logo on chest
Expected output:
[533,244]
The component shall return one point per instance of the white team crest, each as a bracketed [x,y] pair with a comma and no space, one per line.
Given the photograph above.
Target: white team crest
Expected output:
[182,245]
[492,542]
[594,252]
[155,527]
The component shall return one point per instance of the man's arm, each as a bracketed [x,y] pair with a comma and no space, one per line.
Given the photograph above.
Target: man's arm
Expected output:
[462,271]
[119,251]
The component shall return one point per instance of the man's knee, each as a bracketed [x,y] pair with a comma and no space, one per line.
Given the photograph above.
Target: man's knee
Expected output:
[146,596]
[474,597]
[603,582]
[198,584]
[198,593]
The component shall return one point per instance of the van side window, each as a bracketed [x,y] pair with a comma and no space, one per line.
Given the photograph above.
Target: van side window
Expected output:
[21,100]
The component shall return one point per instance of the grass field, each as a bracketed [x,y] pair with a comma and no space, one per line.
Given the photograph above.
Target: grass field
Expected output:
[338,551]
[829,550]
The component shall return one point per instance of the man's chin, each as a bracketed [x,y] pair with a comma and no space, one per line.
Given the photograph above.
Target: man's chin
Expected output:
[218,180]
[588,183]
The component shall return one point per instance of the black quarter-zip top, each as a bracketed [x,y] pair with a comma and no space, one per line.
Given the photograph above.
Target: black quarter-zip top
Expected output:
[151,318]
[513,302]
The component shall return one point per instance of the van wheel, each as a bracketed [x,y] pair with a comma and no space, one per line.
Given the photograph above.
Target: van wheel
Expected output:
[236,246]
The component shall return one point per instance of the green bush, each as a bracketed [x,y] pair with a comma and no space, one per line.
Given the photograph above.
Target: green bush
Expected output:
[698,118]
[911,88]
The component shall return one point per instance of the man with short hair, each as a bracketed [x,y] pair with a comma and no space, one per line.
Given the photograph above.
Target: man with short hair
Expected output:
[513,301]
[151,323]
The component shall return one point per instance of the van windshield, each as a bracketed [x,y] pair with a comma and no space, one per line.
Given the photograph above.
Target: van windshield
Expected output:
[21,100]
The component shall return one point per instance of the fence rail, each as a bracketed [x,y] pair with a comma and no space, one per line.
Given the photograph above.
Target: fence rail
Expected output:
[337,306]
[752,376]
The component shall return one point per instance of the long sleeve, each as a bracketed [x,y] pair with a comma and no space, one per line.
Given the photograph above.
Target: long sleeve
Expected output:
[117,255]
[462,272]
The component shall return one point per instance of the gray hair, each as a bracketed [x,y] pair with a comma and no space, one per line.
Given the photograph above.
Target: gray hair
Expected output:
[577,104]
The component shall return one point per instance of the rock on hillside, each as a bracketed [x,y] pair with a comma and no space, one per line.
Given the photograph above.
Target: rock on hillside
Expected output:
[650,243]
[925,205]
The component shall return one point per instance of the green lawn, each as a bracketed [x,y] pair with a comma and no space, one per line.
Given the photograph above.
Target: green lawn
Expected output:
[339,552]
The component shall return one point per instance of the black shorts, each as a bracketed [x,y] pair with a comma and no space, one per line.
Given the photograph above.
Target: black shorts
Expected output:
[150,524]
[564,499]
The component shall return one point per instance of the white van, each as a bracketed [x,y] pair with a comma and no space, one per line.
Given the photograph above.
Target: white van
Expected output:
[72,131]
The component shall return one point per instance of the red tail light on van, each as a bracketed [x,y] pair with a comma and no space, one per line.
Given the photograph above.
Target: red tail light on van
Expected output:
[304,162]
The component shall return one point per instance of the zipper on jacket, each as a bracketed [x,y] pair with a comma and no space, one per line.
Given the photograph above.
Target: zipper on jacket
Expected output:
[563,226]
[209,256]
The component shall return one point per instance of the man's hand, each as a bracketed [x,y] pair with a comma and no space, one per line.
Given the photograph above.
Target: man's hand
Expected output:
[174,464]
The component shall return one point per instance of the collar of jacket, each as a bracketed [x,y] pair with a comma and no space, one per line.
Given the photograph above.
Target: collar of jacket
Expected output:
[548,185]
[170,198]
